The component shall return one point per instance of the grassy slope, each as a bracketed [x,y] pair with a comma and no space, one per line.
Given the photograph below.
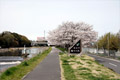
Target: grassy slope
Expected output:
[17,72]
[68,73]
[85,68]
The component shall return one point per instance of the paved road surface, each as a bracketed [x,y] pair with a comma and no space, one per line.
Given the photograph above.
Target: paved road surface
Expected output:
[48,69]
[112,64]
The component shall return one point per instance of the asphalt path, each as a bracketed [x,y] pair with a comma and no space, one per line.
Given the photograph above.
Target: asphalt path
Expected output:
[109,63]
[48,69]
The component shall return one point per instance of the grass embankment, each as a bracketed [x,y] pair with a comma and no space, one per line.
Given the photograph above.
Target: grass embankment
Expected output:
[17,72]
[84,68]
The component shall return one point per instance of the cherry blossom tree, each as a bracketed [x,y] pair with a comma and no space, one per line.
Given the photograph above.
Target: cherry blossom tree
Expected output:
[68,32]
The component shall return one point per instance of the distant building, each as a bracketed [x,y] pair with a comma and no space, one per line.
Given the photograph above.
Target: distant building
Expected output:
[40,38]
[40,42]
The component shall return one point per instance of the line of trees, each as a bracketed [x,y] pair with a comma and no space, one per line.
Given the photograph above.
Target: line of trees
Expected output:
[9,39]
[109,41]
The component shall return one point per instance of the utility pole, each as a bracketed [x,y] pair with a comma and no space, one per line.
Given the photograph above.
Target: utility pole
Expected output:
[44,34]
[108,44]
[97,46]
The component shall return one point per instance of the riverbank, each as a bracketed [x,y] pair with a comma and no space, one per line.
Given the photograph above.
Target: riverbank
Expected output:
[17,72]
[9,61]
[16,51]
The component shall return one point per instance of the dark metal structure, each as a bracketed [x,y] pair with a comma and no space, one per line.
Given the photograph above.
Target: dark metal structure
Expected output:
[76,48]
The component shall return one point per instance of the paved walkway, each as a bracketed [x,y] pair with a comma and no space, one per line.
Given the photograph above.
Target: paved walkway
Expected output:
[48,69]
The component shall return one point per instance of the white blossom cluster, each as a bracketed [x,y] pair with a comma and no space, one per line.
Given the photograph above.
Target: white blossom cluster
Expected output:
[69,32]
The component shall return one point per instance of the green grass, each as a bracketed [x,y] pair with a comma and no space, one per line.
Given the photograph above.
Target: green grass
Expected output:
[68,71]
[85,68]
[89,62]
[78,62]
[62,49]
[17,72]
[119,58]
[86,74]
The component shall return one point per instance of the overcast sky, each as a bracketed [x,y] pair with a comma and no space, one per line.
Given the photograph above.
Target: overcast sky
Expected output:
[32,17]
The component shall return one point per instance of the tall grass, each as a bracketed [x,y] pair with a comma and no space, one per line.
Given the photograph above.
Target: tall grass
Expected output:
[17,72]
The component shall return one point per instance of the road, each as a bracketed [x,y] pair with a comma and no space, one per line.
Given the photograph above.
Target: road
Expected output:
[48,69]
[109,63]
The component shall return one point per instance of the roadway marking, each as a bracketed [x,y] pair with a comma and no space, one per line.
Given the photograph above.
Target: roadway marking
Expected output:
[113,64]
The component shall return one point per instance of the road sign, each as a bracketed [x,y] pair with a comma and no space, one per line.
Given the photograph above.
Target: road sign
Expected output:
[76,48]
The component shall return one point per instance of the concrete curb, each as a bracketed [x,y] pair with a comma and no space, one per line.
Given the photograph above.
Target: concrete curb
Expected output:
[25,75]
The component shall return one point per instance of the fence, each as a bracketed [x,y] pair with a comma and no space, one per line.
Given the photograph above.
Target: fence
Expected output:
[101,52]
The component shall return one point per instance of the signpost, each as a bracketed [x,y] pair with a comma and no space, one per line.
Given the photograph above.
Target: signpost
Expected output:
[76,48]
